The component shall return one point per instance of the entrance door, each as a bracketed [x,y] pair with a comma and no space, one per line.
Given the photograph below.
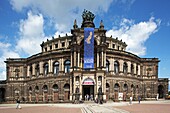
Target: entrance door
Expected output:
[2,94]
[161,91]
[88,90]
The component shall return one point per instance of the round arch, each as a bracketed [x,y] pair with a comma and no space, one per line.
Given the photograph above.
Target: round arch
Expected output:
[116,87]
[55,87]
[45,88]
[2,94]
[107,91]
[88,81]
[161,91]
[66,91]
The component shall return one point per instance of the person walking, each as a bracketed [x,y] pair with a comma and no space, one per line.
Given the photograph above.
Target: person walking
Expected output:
[18,104]
[130,100]
[139,99]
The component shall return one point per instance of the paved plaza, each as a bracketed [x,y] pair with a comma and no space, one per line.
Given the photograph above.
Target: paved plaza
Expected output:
[162,106]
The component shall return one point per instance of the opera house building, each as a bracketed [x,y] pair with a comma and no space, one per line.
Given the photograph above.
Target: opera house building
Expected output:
[85,63]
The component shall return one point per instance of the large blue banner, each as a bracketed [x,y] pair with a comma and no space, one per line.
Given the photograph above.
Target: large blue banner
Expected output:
[88,48]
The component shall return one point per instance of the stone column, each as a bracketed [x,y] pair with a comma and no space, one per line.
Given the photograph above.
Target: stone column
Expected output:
[28,71]
[71,92]
[75,58]
[138,69]
[134,68]
[96,88]
[78,65]
[81,62]
[104,87]
[80,87]
[49,66]
[71,61]
[52,65]
[97,59]
[33,69]
[121,66]
[129,67]
[102,58]
[62,66]
[41,68]
[113,65]
[102,83]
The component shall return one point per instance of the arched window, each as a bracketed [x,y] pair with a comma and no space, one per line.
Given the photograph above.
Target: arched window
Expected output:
[55,87]
[116,87]
[56,68]
[125,67]
[125,87]
[132,87]
[30,89]
[67,66]
[107,65]
[161,91]
[45,69]
[66,87]
[17,73]
[36,89]
[37,70]
[132,69]
[107,87]
[116,67]
[45,88]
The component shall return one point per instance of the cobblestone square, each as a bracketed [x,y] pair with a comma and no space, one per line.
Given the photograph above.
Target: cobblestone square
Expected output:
[110,107]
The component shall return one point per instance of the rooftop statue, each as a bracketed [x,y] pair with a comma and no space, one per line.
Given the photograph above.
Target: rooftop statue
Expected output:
[87,16]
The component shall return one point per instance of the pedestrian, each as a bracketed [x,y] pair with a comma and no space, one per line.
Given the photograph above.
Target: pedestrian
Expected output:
[18,104]
[91,97]
[139,99]
[86,97]
[130,100]
[157,96]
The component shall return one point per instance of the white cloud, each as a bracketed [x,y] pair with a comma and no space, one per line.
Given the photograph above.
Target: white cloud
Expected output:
[6,52]
[31,34]
[135,35]
[62,12]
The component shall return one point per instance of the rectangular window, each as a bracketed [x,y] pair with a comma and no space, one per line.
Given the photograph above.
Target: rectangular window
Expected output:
[113,45]
[69,42]
[56,45]
[118,47]
[108,44]
[50,47]
[63,44]
[46,49]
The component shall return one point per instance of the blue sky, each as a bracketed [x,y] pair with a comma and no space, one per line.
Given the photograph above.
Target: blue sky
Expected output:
[143,24]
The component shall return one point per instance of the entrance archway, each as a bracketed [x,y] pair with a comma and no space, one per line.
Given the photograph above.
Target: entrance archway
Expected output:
[161,91]
[2,94]
[88,88]
[66,92]
[116,91]
[55,92]
[125,91]
[107,91]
